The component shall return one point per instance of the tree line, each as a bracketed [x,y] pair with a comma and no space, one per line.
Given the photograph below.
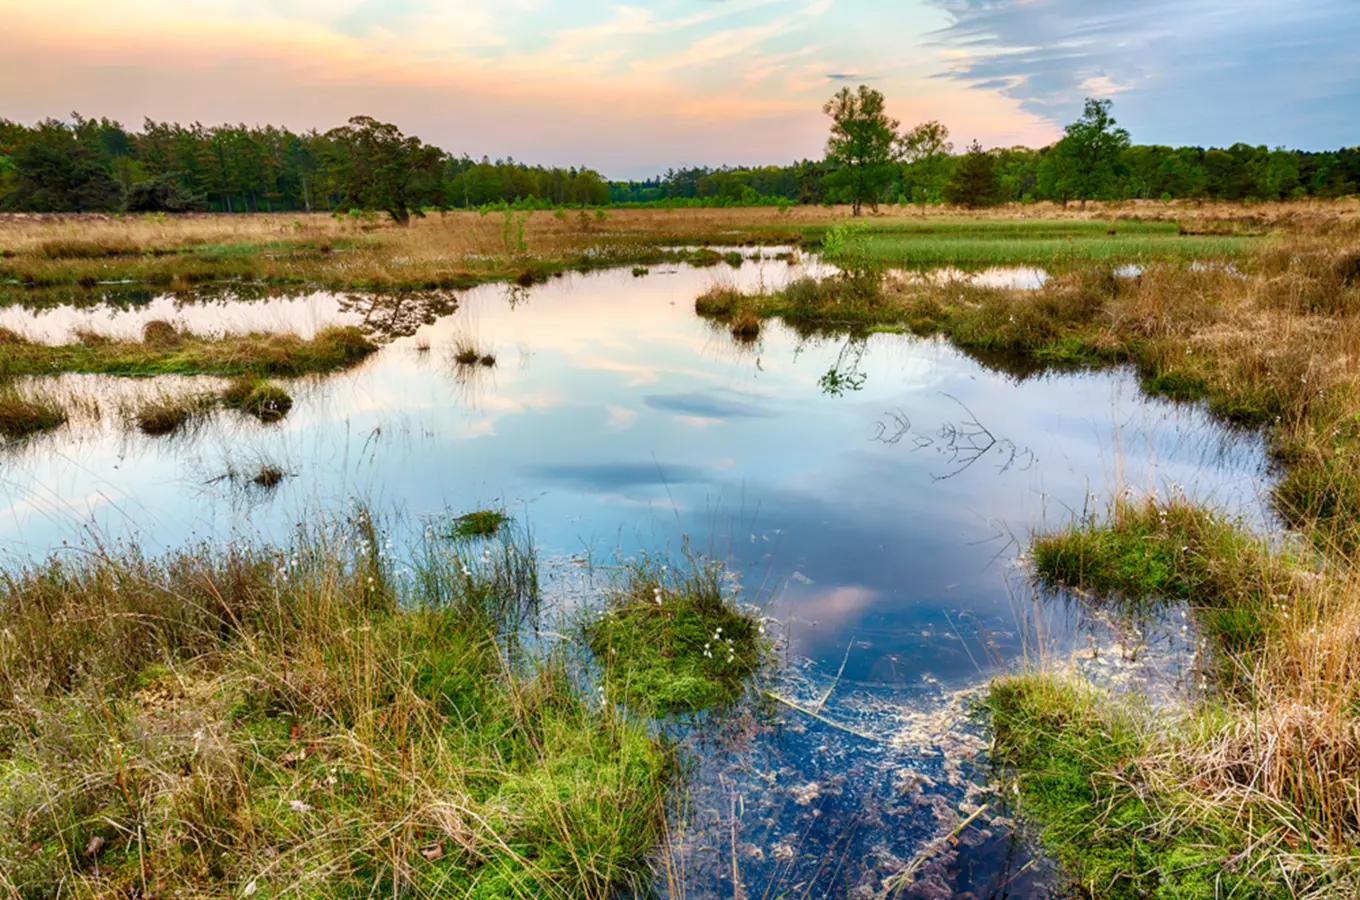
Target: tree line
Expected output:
[366,165]
[86,165]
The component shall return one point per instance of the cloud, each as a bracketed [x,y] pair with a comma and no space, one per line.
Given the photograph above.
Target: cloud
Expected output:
[615,478]
[705,406]
[1213,71]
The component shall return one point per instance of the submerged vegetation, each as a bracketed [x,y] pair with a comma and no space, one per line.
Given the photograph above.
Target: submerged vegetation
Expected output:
[675,641]
[321,718]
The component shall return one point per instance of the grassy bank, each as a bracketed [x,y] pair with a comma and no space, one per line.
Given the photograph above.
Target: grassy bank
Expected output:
[322,720]
[1250,789]
[164,350]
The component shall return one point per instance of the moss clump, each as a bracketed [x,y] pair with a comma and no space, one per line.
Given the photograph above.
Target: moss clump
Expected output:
[262,399]
[1077,762]
[672,642]
[1147,553]
[482,523]
[25,414]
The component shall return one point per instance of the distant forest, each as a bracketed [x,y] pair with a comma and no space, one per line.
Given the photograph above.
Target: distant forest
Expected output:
[98,165]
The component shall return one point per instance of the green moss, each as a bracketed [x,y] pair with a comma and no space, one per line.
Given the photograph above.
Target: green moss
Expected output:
[1148,553]
[673,643]
[1076,761]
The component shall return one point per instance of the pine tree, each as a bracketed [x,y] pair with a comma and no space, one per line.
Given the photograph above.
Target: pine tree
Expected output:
[974,182]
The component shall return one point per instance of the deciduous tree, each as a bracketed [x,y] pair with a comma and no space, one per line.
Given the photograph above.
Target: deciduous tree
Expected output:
[862,149]
[376,167]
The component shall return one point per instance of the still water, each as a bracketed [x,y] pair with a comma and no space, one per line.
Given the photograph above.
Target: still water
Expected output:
[875,494]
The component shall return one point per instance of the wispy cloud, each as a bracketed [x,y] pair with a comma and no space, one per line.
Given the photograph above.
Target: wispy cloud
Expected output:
[1205,71]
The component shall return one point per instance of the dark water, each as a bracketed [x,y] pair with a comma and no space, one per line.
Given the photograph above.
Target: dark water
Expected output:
[875,495]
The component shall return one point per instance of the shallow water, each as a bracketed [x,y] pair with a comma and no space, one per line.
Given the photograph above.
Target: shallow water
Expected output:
[874,494]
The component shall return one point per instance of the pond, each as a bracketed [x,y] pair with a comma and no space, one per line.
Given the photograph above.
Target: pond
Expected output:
[875,493]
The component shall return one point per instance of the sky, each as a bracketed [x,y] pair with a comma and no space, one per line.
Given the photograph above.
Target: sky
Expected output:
[634,88]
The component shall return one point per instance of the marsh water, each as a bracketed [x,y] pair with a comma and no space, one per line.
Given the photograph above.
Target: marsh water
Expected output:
[875,493]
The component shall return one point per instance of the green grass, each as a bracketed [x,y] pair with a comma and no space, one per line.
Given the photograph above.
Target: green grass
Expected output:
[672,642]
[1147,554]
[1076,760]
[330,349]
[319,720]
[1045,243]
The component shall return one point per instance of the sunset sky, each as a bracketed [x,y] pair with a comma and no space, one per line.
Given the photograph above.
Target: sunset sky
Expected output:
[633,88]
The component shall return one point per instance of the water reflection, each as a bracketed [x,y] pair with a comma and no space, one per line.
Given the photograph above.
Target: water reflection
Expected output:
[883,517]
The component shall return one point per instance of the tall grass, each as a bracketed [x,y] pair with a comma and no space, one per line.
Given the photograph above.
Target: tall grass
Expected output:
[322,719]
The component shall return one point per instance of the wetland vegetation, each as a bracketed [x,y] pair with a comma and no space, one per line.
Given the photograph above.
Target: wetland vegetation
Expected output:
[334,716]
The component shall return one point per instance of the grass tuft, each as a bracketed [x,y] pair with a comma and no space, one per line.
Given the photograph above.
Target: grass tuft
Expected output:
[25,413]
[675,642]
[167,413]
[262,399]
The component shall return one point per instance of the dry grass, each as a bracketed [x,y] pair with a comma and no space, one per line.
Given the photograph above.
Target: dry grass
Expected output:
[462,248]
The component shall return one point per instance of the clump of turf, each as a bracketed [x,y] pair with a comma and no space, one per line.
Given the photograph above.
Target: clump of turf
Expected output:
[1148,553]
[262,399]
[1081,766]
[24,414]
[704,258]
[673,641]
[481,523]
[168,413]
[467,353]
[161,334]
[718,302]
[269,476]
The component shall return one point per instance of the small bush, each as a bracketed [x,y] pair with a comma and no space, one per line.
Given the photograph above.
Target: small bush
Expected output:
[161,334]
